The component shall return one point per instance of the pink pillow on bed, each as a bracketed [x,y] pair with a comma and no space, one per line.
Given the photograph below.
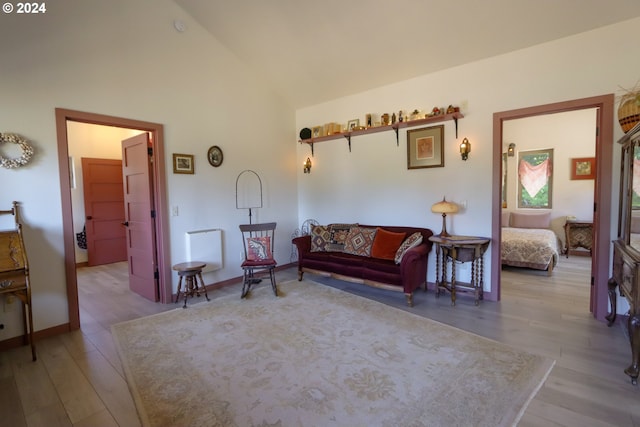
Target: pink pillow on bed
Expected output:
[532,220]
[506,215]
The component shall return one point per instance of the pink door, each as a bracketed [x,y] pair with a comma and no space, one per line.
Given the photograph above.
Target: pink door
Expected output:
[140,216]
[104,211]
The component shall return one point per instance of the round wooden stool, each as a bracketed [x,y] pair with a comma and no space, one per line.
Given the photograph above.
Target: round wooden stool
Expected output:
[191,271]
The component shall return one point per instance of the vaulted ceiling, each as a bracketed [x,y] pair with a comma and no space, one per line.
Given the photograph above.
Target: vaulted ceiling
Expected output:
[313,51]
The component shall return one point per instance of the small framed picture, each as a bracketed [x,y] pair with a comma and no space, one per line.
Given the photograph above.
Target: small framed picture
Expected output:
[316,131]
[215,156]
[353,124]
[183,163]
[583,168]
[425,147]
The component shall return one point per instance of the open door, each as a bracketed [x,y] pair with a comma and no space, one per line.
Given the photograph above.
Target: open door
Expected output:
[140,216]
[600,266]
[104,210]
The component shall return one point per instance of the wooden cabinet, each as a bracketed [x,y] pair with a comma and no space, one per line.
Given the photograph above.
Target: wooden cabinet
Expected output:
[578,234]
[626,248]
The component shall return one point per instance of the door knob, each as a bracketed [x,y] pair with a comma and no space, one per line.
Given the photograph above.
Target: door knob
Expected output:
[126,223]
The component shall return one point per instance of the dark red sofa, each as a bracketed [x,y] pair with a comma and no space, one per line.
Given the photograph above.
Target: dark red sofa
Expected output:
[405,277]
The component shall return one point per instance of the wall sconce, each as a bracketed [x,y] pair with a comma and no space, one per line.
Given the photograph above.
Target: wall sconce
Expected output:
[465,149]
[511,151]
[307,166]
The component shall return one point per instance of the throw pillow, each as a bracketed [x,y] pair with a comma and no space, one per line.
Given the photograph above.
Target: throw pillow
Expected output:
[386,244]
[410,242]
[339,234]
[359,241]
[259,248]
[320,238]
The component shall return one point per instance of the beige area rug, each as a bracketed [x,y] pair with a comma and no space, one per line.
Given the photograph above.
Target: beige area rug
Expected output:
[318,356]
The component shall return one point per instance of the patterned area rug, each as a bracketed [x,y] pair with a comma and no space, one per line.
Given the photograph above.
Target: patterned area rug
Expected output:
[318,356]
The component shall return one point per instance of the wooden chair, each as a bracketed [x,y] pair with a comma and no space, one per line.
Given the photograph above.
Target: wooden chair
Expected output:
[14,273]
[258,244]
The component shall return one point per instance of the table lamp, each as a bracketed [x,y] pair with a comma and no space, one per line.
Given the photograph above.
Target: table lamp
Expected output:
[444,208]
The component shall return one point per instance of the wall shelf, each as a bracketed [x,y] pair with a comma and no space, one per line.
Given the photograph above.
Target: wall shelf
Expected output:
[395,127]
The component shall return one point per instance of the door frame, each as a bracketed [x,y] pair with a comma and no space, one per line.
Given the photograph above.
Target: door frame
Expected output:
[602,196]
[160,201]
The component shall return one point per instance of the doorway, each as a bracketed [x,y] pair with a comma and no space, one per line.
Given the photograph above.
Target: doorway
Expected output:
[160,204]
[603,183]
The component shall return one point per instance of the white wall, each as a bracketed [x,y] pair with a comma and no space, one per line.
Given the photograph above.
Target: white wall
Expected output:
[372,184]
[125,59]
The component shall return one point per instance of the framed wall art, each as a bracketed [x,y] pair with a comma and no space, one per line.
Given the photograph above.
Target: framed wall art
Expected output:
[425,147]
[583,168]
[535,179]
[316,132]
[183,163]
[215,156]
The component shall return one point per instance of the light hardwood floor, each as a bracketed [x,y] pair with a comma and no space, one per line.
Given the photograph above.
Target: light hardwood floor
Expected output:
[78,379]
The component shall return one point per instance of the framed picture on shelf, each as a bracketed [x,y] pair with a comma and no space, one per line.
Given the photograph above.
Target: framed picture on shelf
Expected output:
[316,131]
[583,168]
[353,124]
[183,163]
[425,147]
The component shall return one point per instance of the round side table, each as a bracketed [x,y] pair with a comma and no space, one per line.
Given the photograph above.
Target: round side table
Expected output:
[191,271]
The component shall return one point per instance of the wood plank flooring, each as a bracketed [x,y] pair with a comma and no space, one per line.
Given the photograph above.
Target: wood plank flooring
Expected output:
[78,379]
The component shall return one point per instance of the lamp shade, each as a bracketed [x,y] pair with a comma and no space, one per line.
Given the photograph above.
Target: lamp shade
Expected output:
[444,207]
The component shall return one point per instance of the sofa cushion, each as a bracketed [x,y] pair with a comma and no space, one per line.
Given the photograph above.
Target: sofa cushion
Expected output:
[359,241]
[383,271]
[386,244]
[346,258]
[378,264]
[335,258]
[335,262]
[320,238]
[339,234]
[410,242]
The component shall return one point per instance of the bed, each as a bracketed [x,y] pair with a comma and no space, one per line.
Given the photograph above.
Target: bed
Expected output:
[527,241]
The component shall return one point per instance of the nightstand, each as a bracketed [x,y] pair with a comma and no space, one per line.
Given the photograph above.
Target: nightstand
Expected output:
[456,250]
[578,234]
